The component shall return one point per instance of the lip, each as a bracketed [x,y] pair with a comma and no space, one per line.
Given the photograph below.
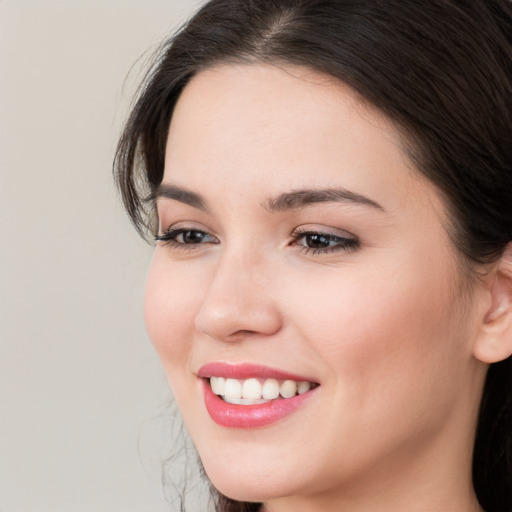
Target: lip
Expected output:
[246,371]
[249,416]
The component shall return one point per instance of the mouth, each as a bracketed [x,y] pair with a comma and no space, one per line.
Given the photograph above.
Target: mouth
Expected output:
[247,396]
[254,391]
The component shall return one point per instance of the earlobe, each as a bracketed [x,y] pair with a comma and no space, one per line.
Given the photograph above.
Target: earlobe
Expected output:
[494,342]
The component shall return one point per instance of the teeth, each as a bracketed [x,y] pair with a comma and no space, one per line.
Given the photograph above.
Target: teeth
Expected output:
[233,389]
[218,385]
[270,390]
[288,389]
[251,388]
[245,401]
[256,391]
[303,387]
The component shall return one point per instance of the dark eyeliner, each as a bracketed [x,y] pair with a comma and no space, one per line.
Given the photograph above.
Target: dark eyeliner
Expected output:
[169,238]
[342,243]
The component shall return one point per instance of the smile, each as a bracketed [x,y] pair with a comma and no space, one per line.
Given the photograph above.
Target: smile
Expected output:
[257,391]
[249,396]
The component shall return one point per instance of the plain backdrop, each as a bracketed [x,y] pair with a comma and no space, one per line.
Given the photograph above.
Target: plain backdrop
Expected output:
[79,383]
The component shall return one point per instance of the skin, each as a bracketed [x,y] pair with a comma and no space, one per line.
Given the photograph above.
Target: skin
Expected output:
[388,327]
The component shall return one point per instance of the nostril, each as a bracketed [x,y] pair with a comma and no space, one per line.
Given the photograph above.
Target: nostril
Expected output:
[235,320]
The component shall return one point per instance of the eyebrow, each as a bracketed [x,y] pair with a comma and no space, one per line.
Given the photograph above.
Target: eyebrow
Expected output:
[301,198]
[178,194]
[286,201]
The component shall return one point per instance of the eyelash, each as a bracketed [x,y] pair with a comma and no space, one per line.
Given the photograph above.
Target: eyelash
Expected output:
[341,243]
[169,238]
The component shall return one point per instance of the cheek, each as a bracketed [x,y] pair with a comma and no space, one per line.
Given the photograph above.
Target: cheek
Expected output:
[392,353]
[383,332]
[169,311]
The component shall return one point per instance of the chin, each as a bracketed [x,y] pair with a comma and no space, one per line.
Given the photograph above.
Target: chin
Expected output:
[250,488]
[244,482]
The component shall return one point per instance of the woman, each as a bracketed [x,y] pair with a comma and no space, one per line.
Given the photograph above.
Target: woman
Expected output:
[330,187]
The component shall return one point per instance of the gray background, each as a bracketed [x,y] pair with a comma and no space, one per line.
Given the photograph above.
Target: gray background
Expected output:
[79,383]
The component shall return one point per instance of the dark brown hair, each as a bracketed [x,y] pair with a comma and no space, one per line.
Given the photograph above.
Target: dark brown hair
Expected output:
[441,70]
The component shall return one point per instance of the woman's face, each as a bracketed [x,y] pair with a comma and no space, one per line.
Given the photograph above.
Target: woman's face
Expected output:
[301,245]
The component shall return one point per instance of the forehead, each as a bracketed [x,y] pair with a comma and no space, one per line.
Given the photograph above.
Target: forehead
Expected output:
[260,102]
[255,126]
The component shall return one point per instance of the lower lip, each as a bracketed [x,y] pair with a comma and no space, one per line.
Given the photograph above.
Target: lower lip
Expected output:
[250,416]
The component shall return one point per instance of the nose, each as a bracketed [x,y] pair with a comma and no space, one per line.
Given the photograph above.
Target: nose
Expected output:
[239,302]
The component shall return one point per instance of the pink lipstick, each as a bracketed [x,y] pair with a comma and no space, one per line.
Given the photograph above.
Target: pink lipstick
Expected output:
[252,395]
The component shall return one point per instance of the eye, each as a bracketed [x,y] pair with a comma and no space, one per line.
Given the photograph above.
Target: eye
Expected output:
[183,236]
[323,242]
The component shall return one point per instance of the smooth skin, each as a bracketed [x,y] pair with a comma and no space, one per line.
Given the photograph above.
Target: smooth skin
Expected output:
[363,294]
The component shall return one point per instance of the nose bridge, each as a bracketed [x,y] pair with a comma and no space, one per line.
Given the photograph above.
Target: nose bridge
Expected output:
[239,299]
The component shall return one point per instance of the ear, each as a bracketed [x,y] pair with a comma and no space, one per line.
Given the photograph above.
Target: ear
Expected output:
[494,342]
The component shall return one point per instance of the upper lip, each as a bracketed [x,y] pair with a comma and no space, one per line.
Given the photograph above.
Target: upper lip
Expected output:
[246,371]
